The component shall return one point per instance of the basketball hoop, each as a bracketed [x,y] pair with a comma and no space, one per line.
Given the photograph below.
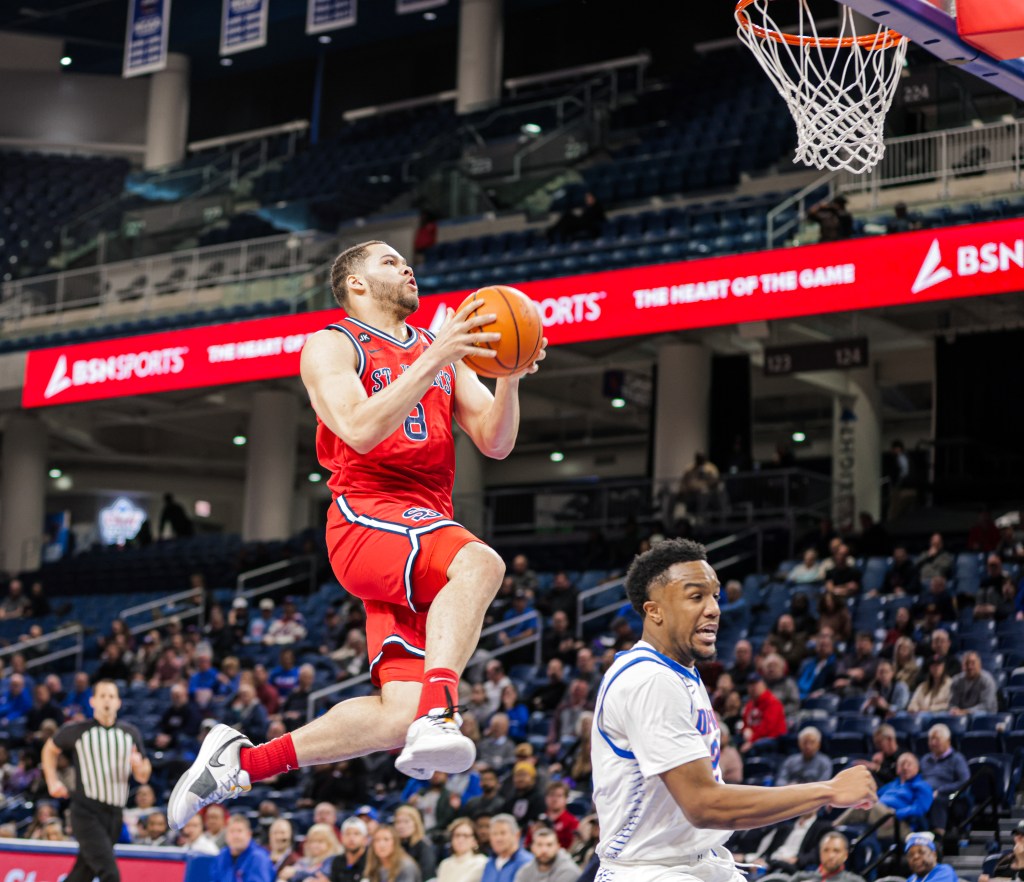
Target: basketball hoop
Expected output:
[838,89]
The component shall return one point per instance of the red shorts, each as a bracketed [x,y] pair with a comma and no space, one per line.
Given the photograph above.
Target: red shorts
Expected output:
[395,558]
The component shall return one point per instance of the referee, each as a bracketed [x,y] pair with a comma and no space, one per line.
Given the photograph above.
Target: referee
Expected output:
[104,752]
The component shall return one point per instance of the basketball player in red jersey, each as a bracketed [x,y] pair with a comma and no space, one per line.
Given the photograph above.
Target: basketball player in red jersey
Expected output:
[385,395]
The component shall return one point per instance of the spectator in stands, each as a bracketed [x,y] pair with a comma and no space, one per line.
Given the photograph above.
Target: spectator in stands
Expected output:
[933,694]
[900,578]
[743,665]
[807,571]
[76,703]
[810,764]
[215,819]
[16,701]
[551,862]
[1010,548]
[293,711]
[732,713]
[387,861]
[269,697]
[43,708]
[318,852]
[939,644]
[730,760]
[173,515]
[556,815]
[155,831]
[578,221]
[413,837]
[833,613]
[945,769]
[782,686]
[559,641]
[350,863]
[984,535]
[1011,864]
[788,643]
[478,703]
[902,626]
[804,621]
[782,848]
[219,634]
[259,626]
[939,597]
[883,762]
[588,670]
[508,857]
[15,604]
[490,801]
[351,659]
[526,802]
[907,797]
[832,218]
[284,677]
[567,715]
[973,691]
[817,672]
[515,710]
[281,845]
[936,561]
[855,672]
[922,860]
[902,221]
[241,859]
[289,628]
[549,694]
[426,235]
[997,603]
[39,604]
[495,680]
[833,852]
[206,676]
[496,749]
[465,864]
[522,605]
[45,812]
[763,715]
[843,578]
[701,489]
[246,714]
[195,840]
[523,578]
[562,597]
[887,695]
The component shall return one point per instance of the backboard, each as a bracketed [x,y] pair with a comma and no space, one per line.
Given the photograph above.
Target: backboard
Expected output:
[932,24]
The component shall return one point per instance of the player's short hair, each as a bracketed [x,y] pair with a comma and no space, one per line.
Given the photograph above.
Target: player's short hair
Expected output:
[349,261]
[649,569]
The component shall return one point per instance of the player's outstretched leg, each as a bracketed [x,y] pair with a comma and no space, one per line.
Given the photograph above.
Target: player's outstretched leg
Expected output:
[434,742]
[215,776]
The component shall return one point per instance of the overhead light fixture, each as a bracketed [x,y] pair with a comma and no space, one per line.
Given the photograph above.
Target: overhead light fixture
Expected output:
[202,508]
[430,16]
[55,473]
[324,39]
[65,61]
[64,482]
[530,129]
[799,437]
[239,440]
[227,62]
[557,456]
[315,477]
[618,402]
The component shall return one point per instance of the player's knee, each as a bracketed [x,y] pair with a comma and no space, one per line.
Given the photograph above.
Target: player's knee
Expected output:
[487,566]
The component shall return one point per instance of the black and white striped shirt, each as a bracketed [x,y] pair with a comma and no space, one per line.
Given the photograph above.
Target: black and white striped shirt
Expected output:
[102,758]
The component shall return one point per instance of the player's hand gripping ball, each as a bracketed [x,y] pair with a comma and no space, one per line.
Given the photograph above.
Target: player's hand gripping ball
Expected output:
[518,322]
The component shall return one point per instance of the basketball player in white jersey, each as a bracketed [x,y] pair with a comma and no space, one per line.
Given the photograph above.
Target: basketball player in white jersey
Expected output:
[663,808]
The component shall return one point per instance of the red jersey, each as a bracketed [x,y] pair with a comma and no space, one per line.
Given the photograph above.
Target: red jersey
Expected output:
[417,461]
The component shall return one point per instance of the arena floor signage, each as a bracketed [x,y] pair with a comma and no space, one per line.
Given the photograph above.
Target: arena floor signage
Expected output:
[857,274]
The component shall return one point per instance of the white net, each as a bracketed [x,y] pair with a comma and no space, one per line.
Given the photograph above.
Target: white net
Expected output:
[838,88]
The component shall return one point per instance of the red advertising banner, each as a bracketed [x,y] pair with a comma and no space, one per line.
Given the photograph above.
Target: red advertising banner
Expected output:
[857,274]
[50,862]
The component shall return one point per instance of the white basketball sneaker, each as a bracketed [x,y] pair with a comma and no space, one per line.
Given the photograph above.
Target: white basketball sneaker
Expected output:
[215,776]
[435,744]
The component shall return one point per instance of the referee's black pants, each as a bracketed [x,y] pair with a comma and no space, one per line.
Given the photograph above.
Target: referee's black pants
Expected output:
[97,827]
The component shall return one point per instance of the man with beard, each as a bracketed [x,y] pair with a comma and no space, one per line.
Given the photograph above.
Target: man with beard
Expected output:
[385,395]
[551,862]
[664,809]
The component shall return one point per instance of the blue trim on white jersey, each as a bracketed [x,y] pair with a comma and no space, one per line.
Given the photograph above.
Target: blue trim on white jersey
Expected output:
[359,349]
[413,334]
[395,640]
[411,533]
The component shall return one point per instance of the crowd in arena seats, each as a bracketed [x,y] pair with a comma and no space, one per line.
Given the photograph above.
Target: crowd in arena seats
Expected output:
[904,663]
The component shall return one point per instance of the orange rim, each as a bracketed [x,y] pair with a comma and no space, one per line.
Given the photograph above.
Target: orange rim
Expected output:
[884,39]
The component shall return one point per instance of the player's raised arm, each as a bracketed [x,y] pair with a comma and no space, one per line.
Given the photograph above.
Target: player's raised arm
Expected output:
[709,804]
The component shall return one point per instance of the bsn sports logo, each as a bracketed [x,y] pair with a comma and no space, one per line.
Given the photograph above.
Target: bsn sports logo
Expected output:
[569,309]
[988,258]
[114,368]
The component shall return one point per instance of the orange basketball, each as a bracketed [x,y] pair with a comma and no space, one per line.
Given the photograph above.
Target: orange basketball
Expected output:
[518,322]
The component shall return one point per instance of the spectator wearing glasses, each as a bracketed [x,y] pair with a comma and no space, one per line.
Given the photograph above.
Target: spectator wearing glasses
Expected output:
[466,864]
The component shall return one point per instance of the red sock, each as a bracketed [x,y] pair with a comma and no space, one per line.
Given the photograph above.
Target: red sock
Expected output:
[440,689]
[273,758]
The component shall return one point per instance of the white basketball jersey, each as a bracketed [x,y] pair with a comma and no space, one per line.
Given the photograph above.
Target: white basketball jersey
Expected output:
[653,714]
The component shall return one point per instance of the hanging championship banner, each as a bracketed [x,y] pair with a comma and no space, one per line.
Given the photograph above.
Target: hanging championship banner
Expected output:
[404,6]
[329,15]
[243,25]
[145,44]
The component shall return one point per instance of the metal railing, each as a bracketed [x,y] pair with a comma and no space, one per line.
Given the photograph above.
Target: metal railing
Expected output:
[189,604]
[482,654]
[784,220]
[75,632]
[285,574]
[943,157]
[252,271]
